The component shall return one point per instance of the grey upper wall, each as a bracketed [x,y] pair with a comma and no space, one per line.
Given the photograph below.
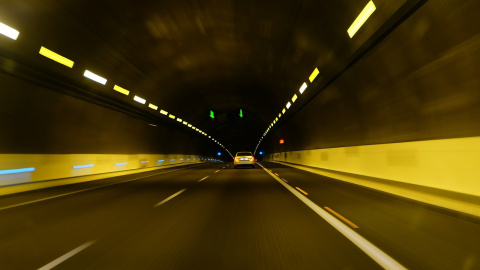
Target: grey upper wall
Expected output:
[421,82]
[38,120]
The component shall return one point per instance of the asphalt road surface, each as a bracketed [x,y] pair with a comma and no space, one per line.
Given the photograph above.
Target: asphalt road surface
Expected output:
[212,216]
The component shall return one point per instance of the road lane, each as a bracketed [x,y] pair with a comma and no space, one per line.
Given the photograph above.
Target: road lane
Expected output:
[238,219]
[419,237]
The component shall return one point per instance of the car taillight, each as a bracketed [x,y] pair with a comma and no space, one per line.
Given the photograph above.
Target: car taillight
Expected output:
[251,158]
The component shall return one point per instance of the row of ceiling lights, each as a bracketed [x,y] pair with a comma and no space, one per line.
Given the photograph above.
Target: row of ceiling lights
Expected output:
[13,34]
[359,21]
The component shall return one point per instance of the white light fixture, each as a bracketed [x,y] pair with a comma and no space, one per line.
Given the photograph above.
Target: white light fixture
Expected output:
[288,105]
[8,31]
[139,99]
[94,77]
[302,88]
[163,112]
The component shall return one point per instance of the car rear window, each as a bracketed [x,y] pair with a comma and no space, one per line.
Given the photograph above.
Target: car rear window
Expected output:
[244,154]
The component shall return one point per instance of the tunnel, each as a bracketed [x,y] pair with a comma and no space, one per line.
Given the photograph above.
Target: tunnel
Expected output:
[124,124]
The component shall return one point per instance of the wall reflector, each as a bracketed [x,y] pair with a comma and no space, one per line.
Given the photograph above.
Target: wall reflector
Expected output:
[139,99]
[56,57]
[361,19]
[302,88]
[313,75]
[294,98]
[83,166]
[151,106]
[94,77]
[22,170]
[163,112]
[8,31]
[288,105]
[172,116]
[121,90]
[282,141]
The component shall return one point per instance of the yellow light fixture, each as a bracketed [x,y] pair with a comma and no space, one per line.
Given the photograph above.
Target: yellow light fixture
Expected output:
[313,75]
[56,57]
[151,106]
[361,19]
[121,90]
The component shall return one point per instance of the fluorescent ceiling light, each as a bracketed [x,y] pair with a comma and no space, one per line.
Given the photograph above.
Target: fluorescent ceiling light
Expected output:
[193,127]
[184,122]
[189,125]
[152,125]
[283,111]
[8,31]
[94,77]
[139,99]
[121,90]
[361,19]
[313,75]
[279,115]
[276,119]
[163,112]
[288,105]
[151,106]
[209,137]
[179,120]
[172,116]
[303,87]
[56,57]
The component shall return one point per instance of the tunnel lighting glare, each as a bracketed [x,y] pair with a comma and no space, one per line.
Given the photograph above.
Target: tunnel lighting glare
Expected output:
[151,106]
[294,98]
[209,137]
[172,116]
[8,31]
[94,77]
[139,99]
[189,125]
[179,120]
[302,88]
[83,166]
[121,90]
[288,105]
[313,75]
[121,164]
[163,112]
[361,19]
[184,122]
[56,57]
[12,171]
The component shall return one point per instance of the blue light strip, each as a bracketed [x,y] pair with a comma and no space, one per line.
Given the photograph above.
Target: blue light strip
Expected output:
[161,160]
[83,166]
[22,170]
[144,161]
[120,164]
[172,159]
[181,159]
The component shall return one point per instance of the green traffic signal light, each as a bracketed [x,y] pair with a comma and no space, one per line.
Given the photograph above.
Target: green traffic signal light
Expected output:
[241,113]
[211,114]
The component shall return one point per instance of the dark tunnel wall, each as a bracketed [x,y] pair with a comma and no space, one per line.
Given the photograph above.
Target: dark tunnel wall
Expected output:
[36,120]
[421,82]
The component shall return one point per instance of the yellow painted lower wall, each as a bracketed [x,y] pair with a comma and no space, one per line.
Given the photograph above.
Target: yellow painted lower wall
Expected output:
[48,167]
[450,164]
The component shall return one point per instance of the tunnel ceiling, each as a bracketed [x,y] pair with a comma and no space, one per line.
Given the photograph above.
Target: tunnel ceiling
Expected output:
[190,57]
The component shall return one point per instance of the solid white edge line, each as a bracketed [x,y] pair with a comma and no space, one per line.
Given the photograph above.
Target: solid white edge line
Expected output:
[169,198]
[370,249]
[203,179]
[78,191]
[66,256]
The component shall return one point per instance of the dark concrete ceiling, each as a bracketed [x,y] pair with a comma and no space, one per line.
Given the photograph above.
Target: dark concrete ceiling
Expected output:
[192,56]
